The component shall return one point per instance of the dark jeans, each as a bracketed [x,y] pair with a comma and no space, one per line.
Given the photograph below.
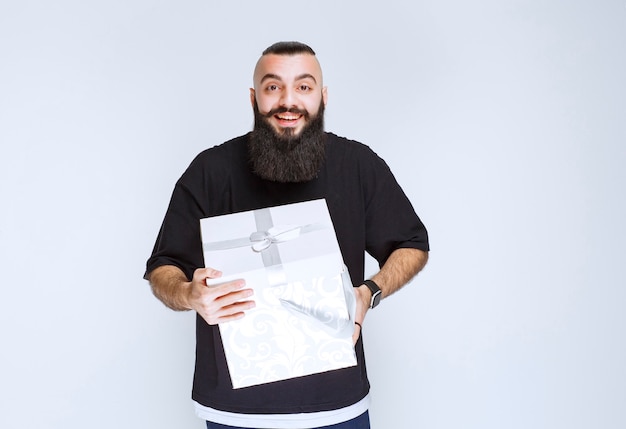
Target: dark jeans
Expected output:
[361,422]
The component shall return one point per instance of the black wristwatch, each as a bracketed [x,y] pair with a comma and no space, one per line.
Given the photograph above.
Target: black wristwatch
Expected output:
[377,294]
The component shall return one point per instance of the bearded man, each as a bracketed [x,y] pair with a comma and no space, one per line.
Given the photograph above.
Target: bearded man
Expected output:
[287,158]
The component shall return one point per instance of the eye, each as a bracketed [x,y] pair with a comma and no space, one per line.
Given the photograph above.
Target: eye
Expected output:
[305,88]
[272,88]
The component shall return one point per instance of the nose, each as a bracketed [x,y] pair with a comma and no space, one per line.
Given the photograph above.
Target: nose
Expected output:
[288,98]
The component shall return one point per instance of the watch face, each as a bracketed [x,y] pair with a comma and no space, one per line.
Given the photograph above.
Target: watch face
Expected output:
[376,299]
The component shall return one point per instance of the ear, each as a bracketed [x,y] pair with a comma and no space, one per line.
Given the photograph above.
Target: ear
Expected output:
[325,95]
[252,96]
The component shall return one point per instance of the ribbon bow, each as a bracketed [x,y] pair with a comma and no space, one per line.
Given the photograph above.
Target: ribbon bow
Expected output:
[262,240]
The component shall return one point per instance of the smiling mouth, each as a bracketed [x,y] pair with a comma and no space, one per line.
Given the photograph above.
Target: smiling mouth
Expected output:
[289,117]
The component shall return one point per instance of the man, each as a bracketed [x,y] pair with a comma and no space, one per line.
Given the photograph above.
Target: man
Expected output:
[287,158]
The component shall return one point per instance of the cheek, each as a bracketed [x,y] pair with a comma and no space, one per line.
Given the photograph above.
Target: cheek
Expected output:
[265,104]
[312,106]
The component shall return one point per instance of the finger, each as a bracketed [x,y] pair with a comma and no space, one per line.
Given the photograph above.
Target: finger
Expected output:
[202,274]
[231,317]
[222,302]
[228,313]
[236,308]
[357,332]
[212,273]
[234,289]
[212,300]
[232,296]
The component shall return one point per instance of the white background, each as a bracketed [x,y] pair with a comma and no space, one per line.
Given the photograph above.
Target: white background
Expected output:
[503,120]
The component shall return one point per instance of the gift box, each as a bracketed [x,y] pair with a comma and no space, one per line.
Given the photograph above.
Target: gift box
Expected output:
[303,320]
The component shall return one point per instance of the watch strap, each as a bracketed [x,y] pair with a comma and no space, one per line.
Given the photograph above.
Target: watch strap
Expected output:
[376,292]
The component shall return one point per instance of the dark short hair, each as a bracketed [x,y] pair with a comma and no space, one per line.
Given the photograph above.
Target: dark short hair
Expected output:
[289,48]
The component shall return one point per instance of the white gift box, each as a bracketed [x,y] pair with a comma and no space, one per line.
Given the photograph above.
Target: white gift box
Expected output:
[303,320]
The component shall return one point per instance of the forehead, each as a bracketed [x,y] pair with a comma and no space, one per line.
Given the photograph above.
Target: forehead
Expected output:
[287,67]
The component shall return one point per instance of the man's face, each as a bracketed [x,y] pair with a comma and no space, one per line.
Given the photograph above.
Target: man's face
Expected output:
[288,90]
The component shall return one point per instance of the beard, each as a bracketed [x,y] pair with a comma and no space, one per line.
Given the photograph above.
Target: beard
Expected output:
[283,156]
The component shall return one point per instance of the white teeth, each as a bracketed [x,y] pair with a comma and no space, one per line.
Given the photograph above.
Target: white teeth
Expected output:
[288,118]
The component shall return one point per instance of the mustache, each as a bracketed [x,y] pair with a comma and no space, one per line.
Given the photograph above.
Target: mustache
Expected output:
[284,109]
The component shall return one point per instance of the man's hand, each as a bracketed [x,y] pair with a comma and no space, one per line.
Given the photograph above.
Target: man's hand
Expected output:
[401,266]
[363,296]
[216,304]
[221,303]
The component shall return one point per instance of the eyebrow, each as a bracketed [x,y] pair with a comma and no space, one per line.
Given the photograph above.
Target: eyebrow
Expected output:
[300,77]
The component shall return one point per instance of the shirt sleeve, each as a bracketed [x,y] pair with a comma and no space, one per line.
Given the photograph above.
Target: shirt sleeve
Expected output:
[391,221]
[178,242]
